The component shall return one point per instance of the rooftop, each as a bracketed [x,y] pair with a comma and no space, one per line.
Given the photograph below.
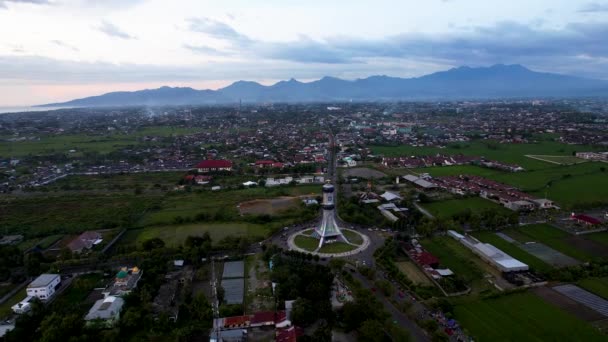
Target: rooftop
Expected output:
[43,280]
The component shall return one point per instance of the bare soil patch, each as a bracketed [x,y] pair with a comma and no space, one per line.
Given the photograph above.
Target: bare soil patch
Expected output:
[364,172]
[271,206]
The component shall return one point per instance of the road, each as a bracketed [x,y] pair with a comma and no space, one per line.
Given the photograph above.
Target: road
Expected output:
[397,316]
[424,211]
[367,256]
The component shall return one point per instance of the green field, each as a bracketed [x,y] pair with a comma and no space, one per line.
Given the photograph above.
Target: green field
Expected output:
[551,237]
[106,143]
[507,153]
[307,243]
[336,247]
[175,235]
[43,215]
[449,208]
[569,186]
[563,160]
[5,308]
[456,170]
[352,237]
[599,286]
[458,258]
[513,250]
[188,205]
[522,317]
[598,237]
[128,181]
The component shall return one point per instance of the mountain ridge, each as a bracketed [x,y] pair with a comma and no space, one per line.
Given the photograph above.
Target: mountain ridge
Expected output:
[464,82]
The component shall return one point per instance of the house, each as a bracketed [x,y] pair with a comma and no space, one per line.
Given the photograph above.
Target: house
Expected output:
[44,286]
[585,219]
[125,281]
[106,310]
[214,165]
[85,241]
[202,179]
[11,239]
[268,164]
[390,197]
[23,306]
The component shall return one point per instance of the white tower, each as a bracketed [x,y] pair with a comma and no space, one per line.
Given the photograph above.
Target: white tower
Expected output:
[328,229]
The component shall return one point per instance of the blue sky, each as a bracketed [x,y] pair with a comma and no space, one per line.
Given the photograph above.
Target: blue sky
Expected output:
[54,50]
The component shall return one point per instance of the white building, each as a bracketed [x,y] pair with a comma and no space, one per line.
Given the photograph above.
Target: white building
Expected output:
[44,286]
[492,255]
[106,310]
[23,306]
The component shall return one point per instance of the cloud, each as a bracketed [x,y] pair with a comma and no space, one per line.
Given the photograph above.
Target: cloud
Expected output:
[114,31]
[594,7]
[216,29]
[3,3]
[64,45]
[206,50]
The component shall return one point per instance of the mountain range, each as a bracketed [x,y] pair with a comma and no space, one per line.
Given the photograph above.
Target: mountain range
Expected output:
[498,81]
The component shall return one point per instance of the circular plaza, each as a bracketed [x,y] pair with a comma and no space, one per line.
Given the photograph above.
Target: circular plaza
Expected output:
[305,241]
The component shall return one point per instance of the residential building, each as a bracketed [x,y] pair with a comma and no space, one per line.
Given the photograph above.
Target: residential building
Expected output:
[106,310]
[44,286]
[214,165]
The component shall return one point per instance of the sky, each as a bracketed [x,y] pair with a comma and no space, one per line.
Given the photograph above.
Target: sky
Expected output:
[58,50]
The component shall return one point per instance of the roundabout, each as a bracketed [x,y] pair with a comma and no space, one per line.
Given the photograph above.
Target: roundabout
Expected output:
[305,242]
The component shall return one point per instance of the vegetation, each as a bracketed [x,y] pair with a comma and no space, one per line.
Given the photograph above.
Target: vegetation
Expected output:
[522,316]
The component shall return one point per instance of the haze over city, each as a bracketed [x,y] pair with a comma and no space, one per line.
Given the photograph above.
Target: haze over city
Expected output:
[58,50]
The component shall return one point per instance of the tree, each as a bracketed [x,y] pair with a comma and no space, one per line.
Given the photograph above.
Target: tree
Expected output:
[154,243]
[303,313]
[371,331]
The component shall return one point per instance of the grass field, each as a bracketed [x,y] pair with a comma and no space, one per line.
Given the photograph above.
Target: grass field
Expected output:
[522,317]
[175,235]
[43,215]
[568,185]
[106,143]
[508,153]
[561,160]
[188,205]
[412,272]
[336,247]
[599,286]
[5,308]
[461,261]
[598,237]
[449,208]
[551,237]
[513,250]
[306,242]
[130,181]
[352,237]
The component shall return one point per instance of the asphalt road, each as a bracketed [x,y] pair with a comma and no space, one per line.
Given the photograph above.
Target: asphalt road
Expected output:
[397,316]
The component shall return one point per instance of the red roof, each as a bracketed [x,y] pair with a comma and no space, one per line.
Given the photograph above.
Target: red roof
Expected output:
[289,335]
[264,162]
[586,219]
[426,258]
[262,317]
[214,164]
[236,321]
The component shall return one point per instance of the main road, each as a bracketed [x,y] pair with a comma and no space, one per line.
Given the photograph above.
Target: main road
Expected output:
[398,317]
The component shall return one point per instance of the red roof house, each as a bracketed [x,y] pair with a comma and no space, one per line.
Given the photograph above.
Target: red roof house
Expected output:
[588,220]
[212,165]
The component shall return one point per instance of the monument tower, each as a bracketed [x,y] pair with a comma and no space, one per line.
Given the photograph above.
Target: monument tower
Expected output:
[328,230]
